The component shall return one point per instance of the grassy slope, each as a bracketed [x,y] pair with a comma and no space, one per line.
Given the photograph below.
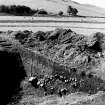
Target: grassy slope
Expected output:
[57,5]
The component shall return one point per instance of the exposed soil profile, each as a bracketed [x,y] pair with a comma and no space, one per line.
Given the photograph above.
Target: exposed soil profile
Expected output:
[12,73]
[59,62]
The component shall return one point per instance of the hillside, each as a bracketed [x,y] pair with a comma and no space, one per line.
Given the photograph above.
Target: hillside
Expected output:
[57,5]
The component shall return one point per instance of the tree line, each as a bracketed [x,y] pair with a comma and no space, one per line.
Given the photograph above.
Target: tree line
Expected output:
[70,11]
[21,10]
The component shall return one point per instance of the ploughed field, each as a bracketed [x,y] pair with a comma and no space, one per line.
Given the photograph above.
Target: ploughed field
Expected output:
[81,25]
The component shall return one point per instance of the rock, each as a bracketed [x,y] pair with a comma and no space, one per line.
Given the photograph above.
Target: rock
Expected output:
[34,82]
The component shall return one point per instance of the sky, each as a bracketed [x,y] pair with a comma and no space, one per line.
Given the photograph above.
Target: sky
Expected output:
[100,3]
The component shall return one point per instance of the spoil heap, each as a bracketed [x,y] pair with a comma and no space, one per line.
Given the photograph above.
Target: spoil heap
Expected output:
[61,62]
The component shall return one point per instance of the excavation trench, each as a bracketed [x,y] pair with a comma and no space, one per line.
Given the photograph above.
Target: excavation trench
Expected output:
[12,73]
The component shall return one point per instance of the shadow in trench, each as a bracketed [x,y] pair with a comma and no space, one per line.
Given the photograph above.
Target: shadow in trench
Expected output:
[12,73]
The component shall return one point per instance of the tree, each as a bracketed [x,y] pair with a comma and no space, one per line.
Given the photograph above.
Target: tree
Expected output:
[42,12]
[60,13]
[4,8]
[69,10]
[20,10]
[72,11]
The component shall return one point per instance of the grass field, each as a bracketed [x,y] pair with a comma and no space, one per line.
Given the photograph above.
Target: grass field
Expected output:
[78,24]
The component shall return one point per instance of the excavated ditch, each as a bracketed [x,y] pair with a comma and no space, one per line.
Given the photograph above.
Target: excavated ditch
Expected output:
[12,74]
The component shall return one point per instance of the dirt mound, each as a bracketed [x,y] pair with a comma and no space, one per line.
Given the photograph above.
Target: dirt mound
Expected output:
[61,62]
